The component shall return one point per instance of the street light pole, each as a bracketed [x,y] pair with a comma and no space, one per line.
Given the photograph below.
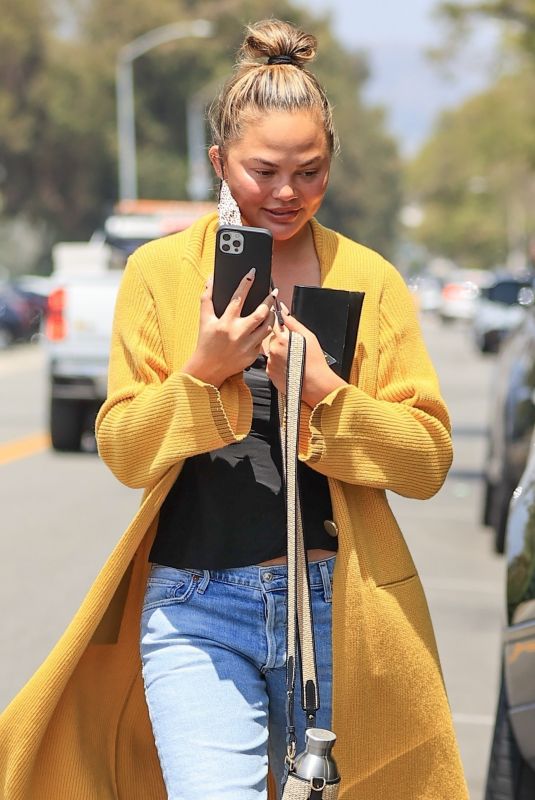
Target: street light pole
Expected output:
[126,128]
[199,174]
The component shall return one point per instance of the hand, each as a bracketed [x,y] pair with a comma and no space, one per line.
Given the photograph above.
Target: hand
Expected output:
[230,343]
[319,380]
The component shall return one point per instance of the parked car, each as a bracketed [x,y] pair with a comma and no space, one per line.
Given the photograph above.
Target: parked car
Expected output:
[459,295]
[499,310]
[511,771]
[426,290]
[16,317]
[511,422]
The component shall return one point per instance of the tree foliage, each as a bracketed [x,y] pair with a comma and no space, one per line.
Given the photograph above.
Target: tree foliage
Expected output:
[518,15]
[475,178]
[58,149]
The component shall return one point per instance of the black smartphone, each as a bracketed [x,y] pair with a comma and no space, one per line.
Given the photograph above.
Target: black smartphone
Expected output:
[238,249]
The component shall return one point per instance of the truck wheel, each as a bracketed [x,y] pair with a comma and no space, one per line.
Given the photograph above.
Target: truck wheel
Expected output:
[66,419]
[509,777]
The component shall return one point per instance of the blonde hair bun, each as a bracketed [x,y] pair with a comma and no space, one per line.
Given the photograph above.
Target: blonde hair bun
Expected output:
[262,83]
[271,38]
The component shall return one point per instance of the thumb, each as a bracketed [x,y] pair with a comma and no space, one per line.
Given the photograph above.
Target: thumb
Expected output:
[291,322]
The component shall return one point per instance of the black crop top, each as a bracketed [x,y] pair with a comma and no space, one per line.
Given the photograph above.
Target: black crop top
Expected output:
[227,509]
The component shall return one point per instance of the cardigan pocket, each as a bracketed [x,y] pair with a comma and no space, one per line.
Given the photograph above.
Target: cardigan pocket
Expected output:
[396,583]
[405,617]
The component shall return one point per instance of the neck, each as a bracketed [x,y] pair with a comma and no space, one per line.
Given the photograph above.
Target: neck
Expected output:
[297,245]
[295,261]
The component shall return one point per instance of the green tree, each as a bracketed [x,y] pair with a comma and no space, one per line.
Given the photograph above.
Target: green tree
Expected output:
[518,15]
[58,146]
[24,45]
[475,177]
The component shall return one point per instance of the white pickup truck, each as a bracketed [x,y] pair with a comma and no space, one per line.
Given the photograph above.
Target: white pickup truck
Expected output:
[86,279]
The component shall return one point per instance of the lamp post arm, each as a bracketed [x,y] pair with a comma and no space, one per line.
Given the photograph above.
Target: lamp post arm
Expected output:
[197,28]
[126,130]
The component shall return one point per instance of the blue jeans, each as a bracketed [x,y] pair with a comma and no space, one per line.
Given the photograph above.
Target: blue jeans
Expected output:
[213,647]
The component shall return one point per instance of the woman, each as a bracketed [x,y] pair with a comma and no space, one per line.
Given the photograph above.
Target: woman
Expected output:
[191,418]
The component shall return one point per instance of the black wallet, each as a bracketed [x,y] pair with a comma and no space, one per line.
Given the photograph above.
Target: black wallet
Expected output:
[334,316]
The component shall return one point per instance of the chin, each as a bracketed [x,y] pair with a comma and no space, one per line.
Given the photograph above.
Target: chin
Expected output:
[284,236]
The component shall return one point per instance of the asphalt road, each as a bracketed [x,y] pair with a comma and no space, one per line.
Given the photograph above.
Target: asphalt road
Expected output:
[62,514]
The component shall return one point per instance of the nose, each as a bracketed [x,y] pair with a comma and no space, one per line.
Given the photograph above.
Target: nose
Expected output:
[284,193]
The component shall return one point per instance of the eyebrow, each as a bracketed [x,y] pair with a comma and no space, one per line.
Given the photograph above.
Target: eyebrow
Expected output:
[267,163]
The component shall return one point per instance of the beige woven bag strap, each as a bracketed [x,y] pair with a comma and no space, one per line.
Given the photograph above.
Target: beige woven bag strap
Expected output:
[300,626]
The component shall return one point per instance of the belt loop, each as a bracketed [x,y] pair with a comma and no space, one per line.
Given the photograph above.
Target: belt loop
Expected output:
[326,580]
[203,583]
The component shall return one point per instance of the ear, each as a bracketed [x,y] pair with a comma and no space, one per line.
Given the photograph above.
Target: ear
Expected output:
[217,161]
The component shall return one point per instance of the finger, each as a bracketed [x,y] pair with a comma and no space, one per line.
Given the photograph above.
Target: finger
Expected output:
[261,332]
[277,307]
[209,286]
[238,298]
[291,322]
[206,298]
[278,342]
[259,316]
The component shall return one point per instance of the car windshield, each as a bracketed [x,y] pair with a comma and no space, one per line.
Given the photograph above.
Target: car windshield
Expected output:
[505,292]
[126,246]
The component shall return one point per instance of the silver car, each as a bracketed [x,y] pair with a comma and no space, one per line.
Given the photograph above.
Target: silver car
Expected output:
[511,773]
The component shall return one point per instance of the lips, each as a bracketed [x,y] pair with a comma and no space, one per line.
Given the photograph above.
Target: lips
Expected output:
[283,212]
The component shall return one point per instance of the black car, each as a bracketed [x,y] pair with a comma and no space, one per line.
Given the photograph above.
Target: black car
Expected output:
[511,772]
[511,423]
[500,308]
[17,318]
[37,303]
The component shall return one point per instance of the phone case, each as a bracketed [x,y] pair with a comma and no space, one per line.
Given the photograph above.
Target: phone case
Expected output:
[334,316]
[238,248]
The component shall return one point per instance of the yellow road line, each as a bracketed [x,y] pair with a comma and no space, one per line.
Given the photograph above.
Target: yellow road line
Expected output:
[23,448]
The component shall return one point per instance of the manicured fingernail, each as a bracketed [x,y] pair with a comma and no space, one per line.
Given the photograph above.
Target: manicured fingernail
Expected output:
[250,275]
[285,308]
[275,293]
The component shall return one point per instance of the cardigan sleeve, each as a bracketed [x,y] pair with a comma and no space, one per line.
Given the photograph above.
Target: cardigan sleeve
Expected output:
[154,417]
[399,440]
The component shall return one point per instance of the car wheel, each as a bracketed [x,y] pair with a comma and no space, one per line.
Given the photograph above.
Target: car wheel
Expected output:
[484,344]
[66,421]
[486,518]
[6,337]
[498,510]
[500,518]
[509,777]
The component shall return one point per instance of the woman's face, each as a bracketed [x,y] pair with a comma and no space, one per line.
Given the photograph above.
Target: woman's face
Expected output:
[278,171]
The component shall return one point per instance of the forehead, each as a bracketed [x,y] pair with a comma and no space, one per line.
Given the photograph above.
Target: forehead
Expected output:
[282,132]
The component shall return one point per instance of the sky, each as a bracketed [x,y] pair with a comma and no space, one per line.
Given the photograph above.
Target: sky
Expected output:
[395,35]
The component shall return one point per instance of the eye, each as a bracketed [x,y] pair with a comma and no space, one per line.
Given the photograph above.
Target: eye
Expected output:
[310,173]
[263,173]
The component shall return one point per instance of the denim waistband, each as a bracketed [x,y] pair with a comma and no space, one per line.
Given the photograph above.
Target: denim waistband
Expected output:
[269,578]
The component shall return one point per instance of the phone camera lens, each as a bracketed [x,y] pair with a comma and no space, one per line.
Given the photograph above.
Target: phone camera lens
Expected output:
[226,237]
[225,247]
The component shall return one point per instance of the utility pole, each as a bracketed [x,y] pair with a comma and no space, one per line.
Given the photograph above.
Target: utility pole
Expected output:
[126,127]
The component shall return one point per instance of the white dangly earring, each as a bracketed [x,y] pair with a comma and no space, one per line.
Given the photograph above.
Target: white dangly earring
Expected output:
[229,213]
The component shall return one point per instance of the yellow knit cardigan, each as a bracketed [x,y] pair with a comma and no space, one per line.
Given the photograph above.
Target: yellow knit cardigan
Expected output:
[79,730]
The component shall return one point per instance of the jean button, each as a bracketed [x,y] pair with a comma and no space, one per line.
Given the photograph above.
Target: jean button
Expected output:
[267,577]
